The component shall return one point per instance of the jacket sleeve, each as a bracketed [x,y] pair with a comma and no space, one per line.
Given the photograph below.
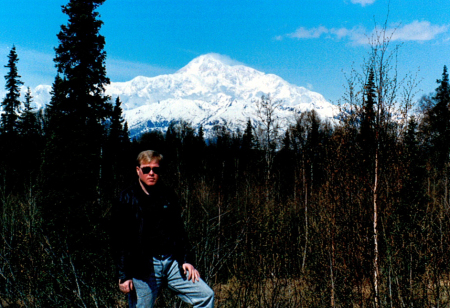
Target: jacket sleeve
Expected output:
[121,223]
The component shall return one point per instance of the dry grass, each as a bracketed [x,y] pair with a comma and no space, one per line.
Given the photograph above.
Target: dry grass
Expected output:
[272,292]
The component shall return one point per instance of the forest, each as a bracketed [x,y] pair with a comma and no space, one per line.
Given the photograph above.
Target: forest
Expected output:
[347,214]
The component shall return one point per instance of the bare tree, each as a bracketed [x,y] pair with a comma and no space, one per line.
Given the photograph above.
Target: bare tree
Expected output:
[376,111]
[268,130]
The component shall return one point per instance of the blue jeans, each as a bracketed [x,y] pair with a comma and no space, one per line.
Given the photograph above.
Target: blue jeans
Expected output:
[167,272]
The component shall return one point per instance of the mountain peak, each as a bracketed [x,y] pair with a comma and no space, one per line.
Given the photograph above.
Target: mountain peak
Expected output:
[215,58]
[209,62]
[210,90]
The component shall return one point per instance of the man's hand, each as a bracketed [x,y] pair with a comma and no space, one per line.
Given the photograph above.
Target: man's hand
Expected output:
[126,286]
[194,275]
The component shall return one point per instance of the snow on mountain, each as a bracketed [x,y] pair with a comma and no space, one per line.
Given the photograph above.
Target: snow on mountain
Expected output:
[211,91]
[41,95]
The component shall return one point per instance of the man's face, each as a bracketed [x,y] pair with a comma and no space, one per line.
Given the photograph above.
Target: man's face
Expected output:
[148,172]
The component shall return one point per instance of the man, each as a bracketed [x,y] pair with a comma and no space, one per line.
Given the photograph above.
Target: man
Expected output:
[152,247]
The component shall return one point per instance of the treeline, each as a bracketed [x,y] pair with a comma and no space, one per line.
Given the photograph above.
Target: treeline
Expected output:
[287,224]
[347,214]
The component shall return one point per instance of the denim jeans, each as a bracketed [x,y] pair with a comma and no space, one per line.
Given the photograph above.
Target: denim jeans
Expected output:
[167,272]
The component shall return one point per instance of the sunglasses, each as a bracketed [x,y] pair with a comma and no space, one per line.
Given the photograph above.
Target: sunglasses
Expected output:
[145,170]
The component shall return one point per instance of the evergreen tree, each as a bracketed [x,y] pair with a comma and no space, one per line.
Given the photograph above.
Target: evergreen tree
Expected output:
[9,162]
[79,108]
[172,140]
[413,176]
[248,139]
[285,167]
[201,133]
[11,102]
[201,138]
[116,154]
[440,121]
[29,140]
[80,59]
[368,116]
[77,115]
[286,141]
[118,130]
[152,140]
[368,122]
[54,132]
[28,125]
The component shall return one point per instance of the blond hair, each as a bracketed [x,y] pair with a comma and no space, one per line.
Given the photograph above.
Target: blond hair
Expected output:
[148,156]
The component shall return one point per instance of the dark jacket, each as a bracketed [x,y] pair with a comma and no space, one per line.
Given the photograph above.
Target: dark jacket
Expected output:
[146,226]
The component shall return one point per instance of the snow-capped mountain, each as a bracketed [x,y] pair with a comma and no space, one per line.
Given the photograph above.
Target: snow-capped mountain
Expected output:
[211,90]
[41,95]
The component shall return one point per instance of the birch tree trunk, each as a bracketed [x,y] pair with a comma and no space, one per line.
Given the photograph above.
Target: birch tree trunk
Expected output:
[375,233]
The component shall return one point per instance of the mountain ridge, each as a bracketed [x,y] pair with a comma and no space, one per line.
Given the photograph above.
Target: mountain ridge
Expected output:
[211,90]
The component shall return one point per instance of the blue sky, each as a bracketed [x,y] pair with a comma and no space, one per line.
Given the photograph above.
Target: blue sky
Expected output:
[309,43]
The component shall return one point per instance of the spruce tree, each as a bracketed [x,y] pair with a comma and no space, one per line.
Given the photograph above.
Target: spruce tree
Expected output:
[368,116]
[78,112]
[29,140]
[368,123]
[440,121]
[284,167]
[9,161]
[27,124]
[76,117]
[248,140]
[80,59]
[201,138]
[11,103]
[116,154]
[118,132]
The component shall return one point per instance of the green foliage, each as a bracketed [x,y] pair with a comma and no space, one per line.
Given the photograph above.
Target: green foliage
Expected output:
[11,102]
[116,151]
[76,133]
[275,220]
[28,124]
[80,57]
[439,118]
[368,119]
[248,139]
[306,243]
